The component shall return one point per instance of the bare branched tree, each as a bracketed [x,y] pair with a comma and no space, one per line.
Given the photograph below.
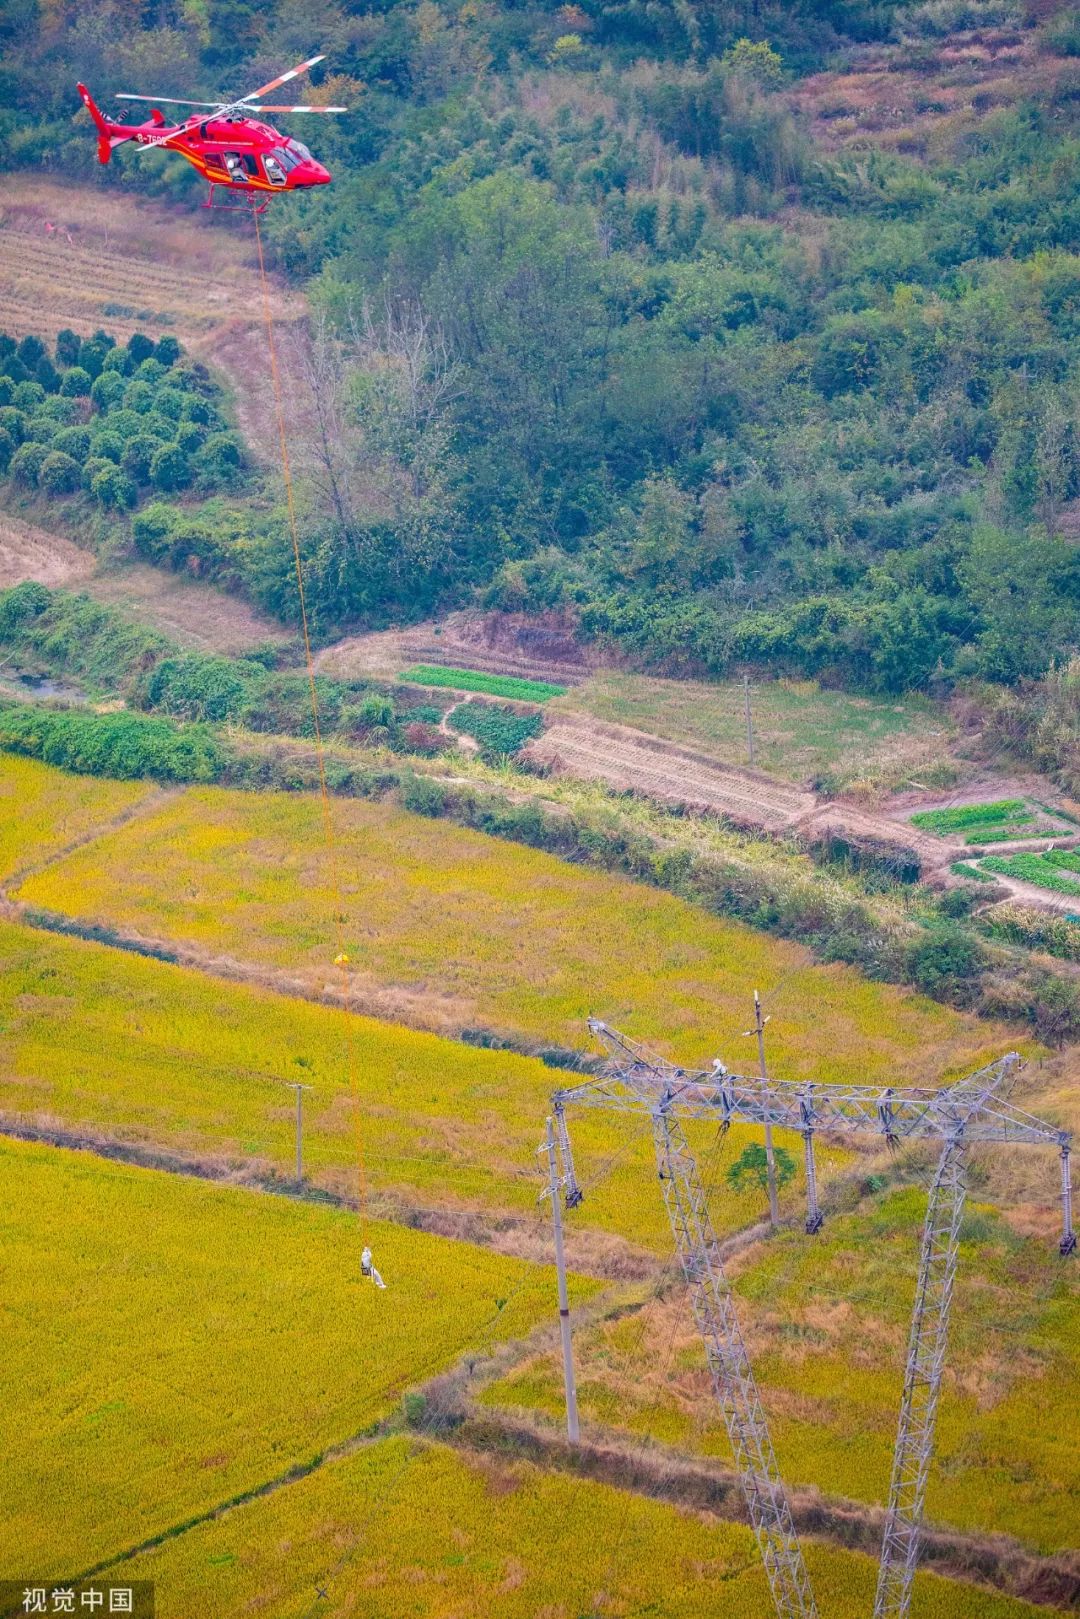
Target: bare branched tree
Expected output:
[373,435]
[1053,459]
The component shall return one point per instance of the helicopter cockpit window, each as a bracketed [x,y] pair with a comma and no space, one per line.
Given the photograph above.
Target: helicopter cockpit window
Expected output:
[274,171]
[300,152]
[285,158]
[235,165]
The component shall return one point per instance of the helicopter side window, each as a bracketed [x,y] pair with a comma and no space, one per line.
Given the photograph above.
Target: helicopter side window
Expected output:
[274,172]
[235,165]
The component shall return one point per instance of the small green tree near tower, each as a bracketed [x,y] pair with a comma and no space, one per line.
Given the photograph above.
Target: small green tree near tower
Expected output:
[751,1169]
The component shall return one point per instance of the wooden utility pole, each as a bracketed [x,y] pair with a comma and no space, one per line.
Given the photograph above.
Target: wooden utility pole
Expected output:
[749,719]
[554,1191]
[299,1089]
[770,1159]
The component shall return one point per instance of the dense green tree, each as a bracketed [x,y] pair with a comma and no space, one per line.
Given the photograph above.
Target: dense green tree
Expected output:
[27,462]
[67,348]
[751,1168]
[113,488]
[59,473]
[75,383]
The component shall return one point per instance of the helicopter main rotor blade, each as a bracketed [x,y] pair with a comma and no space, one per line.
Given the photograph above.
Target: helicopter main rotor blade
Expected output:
[282,78]
[264,106]
[171,101]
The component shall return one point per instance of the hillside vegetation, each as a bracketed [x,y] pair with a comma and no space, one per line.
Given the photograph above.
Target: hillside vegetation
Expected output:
[601,325]
[675,343]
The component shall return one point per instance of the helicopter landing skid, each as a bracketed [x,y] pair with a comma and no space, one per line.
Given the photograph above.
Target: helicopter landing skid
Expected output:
[246,202]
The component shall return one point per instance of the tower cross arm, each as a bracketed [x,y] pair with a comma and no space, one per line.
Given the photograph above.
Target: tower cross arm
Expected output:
[635,1080]
[1001,1121]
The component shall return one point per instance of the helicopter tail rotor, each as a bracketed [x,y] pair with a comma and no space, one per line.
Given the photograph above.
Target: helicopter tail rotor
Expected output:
[106,139]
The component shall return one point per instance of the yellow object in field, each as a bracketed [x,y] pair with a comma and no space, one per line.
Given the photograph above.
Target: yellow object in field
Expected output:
[342,960]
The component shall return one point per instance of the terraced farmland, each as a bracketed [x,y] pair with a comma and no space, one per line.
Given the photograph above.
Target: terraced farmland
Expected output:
[105,1044]
[43,811]
[423,1533]
[169,1344]
[450,929]
[83,258]
[800,729]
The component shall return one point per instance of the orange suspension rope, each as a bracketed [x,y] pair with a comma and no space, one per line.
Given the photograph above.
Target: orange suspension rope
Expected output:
[341,959]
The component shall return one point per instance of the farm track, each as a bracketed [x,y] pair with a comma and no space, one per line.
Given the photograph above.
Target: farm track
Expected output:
[238,350]
[186,610]
[847,820]
[632,760]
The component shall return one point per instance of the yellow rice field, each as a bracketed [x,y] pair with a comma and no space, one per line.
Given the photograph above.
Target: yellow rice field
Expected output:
[43,810]
[418,1531]
[457,929]
[168,1344]
[99,1040]
[827,1319]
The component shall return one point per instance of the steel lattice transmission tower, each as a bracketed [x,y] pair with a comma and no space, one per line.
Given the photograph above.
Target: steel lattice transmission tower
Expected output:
[972,1110]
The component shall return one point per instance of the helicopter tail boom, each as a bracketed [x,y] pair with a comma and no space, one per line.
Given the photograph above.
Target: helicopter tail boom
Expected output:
[110,135]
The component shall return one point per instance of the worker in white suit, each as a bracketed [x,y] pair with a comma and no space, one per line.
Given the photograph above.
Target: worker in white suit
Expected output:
[368,1269]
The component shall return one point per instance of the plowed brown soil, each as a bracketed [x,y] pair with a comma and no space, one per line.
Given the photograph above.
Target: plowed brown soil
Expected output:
[85,257]
[631,760]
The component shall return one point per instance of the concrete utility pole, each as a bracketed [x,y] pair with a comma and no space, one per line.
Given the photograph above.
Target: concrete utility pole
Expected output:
[554,1190]
[749,718]
[299,1089]
[770,1157]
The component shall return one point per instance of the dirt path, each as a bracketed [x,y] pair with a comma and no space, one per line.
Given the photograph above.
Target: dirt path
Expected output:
[239,351]
[186,610]
[1040,899]
[467,743]
[194,614]
[27,552]
[847,821]
[633,761]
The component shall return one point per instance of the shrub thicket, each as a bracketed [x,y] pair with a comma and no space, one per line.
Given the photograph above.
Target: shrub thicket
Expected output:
[139,405]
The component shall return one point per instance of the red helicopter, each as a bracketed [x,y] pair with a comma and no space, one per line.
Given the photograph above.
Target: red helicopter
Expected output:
[229,147]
